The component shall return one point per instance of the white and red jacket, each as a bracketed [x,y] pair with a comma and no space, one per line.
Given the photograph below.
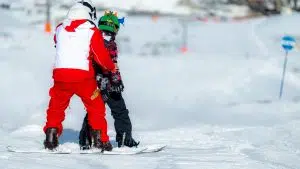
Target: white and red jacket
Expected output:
[78,42]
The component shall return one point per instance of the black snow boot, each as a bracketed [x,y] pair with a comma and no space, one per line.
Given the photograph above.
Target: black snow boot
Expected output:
[85,140]
[51,141]
[97,143]
[85,143]
[124,139]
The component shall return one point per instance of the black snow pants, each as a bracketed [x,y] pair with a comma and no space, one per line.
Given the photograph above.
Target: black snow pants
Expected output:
[120,115]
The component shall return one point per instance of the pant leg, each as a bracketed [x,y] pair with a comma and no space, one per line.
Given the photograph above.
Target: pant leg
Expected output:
[120,114]
[84,134]
[60,94]
[94,105]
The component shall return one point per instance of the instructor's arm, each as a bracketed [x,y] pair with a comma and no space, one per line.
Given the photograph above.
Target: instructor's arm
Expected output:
[101,55]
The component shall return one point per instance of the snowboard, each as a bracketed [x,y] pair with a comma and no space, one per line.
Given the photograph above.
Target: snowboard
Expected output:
[115,151]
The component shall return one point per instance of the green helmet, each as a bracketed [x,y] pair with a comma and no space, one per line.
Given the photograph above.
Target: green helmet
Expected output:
[109,22]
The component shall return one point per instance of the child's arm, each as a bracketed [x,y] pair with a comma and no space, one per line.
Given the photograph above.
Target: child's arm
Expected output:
[115,78]
[112,47]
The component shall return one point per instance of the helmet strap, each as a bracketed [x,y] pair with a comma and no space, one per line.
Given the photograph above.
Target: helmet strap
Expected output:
[93,13]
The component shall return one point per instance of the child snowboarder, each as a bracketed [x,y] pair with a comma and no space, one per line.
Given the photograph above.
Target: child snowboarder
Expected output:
[111,87]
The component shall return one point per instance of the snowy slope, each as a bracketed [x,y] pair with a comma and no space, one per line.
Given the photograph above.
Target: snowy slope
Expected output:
[207,105]
[167,6]
[149,5]
[201,7]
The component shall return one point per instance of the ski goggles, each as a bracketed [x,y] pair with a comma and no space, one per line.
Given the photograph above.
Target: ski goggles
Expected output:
[110,24]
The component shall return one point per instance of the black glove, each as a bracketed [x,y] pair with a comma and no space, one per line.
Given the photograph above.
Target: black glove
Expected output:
[116,83]
[103,85]
[105,95]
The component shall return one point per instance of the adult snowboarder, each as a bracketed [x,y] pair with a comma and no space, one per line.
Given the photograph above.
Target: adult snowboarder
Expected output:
[78,42]
[111,87]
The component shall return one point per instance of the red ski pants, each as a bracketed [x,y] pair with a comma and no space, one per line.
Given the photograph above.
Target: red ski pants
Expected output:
[61,94]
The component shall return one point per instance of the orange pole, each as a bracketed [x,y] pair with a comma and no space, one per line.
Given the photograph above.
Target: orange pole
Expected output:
[48,20]
[184,49]
[155,18]
[48,27]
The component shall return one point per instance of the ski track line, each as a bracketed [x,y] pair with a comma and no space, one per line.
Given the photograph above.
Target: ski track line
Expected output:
[167,162]
[261,45]
[254,155]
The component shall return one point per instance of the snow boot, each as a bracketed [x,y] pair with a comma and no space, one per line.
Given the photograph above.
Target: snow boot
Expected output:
[106,146]
[85,144]
[51,141]
[97,143]
[124,139]
[85,140]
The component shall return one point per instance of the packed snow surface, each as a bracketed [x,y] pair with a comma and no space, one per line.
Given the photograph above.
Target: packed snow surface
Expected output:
[216,106]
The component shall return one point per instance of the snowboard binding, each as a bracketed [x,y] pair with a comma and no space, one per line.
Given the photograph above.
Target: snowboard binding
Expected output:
[126,140]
